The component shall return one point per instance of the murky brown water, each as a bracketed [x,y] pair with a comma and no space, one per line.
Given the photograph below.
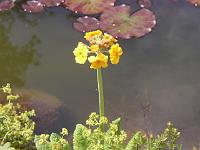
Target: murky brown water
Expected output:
[157,80]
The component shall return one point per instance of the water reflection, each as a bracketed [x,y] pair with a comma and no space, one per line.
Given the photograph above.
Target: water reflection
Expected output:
[14,58]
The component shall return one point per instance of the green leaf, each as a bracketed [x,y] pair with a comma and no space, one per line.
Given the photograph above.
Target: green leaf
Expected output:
[136,141]
[55,137]
[80,140]
[41,145]
[118,123]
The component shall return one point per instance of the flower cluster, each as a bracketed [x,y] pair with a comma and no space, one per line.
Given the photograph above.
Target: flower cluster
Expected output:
[100,45]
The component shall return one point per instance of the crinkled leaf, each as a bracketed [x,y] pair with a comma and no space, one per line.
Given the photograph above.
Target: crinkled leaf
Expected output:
[80,142]
[136,141]
[119,22]
[33,6]
[51,3]
[6,5]
[89,6]
[118,123]
[144,3]
[194,2]
[85,24]
[54,137]
[43,146]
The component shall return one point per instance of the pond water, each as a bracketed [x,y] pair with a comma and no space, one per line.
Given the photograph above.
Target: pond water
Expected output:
[157,80]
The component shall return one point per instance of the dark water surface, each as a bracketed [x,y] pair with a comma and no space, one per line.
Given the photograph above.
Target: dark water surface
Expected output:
[157,80]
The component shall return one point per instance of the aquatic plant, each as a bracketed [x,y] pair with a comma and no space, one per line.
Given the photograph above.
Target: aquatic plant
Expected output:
[85,24]
[16,127]
[33,6]
[51,3]
[144,3]
[125,26]
[122,26]
[194,2]
[118,22]
[6,5]
[88,7]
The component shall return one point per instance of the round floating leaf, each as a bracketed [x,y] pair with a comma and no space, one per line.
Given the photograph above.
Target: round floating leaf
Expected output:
[194,2]
[144,3]
[85,24]
[89,6]
[119,22]
[51,3]
[6,5]
[33,6]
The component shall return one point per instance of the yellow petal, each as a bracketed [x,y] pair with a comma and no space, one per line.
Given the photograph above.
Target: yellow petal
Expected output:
[81,53]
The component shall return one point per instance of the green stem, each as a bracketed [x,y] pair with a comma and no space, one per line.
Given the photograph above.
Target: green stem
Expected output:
[101,97]
[2,142]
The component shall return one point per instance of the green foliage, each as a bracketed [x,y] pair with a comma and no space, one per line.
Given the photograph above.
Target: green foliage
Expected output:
[15,127]
[164,141]
[52,142]
[136,141]
[93,138]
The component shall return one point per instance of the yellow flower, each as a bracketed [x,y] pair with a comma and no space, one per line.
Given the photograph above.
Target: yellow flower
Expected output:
[89,35]
[99,61]
[115,53]
[109,40]
[94,48]
[81,53]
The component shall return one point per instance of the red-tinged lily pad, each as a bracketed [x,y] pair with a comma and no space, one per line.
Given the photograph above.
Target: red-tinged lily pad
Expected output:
[6,5]
[144,3]
[51,3]
[194,2]
[119,22]
[33,6]
[88,6]
[85,24]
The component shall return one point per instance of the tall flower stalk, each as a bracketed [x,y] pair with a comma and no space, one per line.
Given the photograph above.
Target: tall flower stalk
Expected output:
[101,96]
[100,46]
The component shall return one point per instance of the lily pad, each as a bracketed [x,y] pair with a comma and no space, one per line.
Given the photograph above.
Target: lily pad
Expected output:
[88,6]
[33,6]
[119,22]
[51,3]
[144,3]
[194,2]
[85,24]
[6,5]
